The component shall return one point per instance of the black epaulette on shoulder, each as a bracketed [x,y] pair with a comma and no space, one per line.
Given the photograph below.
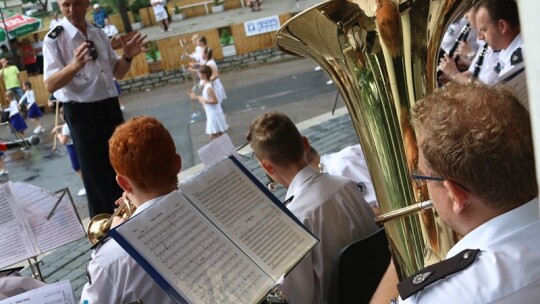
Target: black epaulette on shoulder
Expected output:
[435,272]
[517,57]
[55,32]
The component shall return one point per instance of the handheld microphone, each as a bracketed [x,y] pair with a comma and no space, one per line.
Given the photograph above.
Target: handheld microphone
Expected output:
[30,141]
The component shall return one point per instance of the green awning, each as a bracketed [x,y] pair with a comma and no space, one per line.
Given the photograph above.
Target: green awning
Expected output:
[17,25]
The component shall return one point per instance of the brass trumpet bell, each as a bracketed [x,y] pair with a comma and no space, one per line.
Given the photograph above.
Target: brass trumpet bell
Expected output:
[99,225]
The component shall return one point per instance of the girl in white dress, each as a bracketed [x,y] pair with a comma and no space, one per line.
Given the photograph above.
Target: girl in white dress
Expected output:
[218,87]
[216,124]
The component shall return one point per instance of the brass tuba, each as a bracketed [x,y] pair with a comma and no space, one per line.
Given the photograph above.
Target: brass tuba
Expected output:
[382,56]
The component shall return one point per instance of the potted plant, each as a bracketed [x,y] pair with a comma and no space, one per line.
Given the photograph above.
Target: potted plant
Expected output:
[218,6]
[227,43]
[137,24]
[178,15]
[153,57]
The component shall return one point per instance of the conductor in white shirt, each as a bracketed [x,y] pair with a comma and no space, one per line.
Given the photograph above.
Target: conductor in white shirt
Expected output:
[143,154]
[331,207]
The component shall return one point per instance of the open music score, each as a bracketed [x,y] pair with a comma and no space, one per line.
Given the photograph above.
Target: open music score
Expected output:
[222,238]
[58,293]
[25,230]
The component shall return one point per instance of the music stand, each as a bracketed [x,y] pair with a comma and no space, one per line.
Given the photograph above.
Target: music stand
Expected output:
[44,204]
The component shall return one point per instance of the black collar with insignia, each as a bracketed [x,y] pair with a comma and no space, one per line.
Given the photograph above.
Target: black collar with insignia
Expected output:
[435,272]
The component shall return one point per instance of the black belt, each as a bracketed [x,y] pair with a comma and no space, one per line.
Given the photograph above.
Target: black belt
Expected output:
[101,100]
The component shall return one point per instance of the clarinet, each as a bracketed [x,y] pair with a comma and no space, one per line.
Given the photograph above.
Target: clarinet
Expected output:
[463,35]
[480,61]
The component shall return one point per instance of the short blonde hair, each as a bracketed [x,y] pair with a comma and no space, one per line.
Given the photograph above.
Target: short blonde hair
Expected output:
[480,137]
[273,136]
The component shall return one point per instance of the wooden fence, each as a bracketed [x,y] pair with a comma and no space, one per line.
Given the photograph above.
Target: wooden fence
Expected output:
[171,52]
[171,49]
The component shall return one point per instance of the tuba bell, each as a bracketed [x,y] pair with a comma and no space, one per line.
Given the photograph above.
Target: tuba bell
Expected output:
[382,56]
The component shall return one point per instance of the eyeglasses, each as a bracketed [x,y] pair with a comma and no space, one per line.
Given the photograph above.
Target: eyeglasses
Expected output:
[421,180]
[93,52]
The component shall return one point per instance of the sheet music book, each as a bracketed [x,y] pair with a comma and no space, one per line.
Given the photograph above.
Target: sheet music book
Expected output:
[24,229]
[222,238]
[57,293]
[216,150]
[516,79]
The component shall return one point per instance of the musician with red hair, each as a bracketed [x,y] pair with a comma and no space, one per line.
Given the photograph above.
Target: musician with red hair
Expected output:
[143,155]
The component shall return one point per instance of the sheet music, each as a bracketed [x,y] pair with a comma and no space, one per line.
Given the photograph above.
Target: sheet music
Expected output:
[216,150]
[192,255]
[62,228]
[233,202]
[517,81]
[15,242]
[57,293]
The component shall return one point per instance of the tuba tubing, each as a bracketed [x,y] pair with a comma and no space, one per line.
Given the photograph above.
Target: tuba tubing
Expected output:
[382,57]
[383,218]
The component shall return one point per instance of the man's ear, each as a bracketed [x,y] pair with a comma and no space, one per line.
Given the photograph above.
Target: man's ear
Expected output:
[503,26]
[458,196]
[305,143]
[124,183]
[178,163]
[267,166]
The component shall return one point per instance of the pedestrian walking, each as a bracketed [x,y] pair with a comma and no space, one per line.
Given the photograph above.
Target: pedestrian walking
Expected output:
[216,124]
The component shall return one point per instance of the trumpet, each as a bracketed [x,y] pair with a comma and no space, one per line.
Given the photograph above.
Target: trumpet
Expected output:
[100,224]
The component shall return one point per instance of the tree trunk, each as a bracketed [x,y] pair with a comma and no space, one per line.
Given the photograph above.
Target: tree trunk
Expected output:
[122,8]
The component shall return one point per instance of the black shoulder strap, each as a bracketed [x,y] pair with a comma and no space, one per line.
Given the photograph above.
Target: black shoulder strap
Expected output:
[435,272]
[53,34]
[517,57]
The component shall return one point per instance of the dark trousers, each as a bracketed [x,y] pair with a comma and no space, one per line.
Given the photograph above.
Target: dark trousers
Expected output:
[39,61]
[91,125]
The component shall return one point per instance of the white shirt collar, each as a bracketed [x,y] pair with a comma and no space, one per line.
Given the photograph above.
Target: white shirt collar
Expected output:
[498,227]
[504,55]
[72,31]
[146,205]
[299,179]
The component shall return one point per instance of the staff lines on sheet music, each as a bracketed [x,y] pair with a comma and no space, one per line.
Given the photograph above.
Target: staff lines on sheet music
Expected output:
[264,247]
[7,215]
[192,253]
[235,200]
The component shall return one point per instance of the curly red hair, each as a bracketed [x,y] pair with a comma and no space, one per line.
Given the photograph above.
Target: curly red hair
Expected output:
[143,150]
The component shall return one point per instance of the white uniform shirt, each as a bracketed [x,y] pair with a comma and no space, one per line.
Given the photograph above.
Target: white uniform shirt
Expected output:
[351,163]
[67,132]
[505,56]
[333,209]
[488,71]
[38,46]
[117,278]
[507,269]
[93,82]
[13,108]
[110,30]
[54,23]
[30,98]
[452,33]
[197,54]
